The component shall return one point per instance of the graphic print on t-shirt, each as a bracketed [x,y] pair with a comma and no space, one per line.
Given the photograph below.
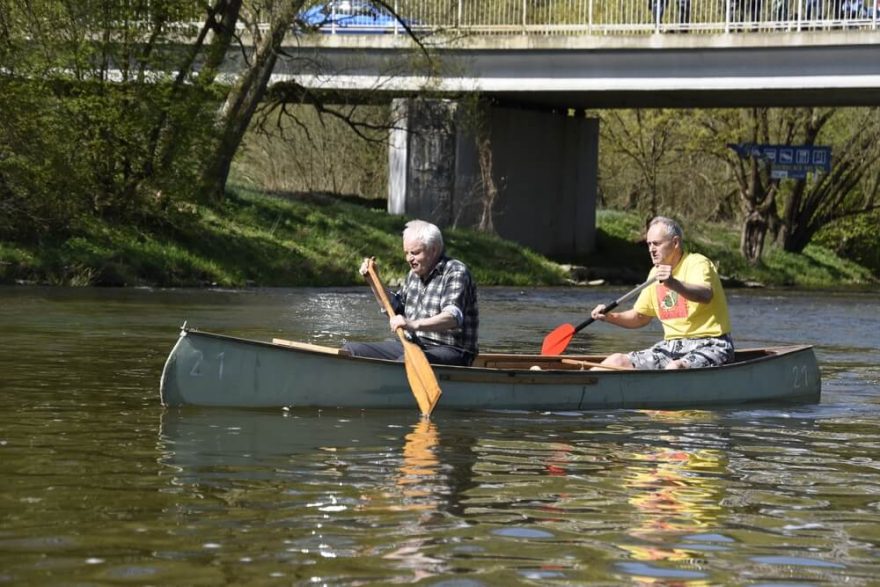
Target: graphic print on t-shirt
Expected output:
[670,304]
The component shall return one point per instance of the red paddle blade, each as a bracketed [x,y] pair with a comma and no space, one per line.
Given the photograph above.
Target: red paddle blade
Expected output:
[556,341]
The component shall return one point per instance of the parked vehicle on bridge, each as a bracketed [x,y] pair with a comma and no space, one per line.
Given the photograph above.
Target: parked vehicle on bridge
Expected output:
[351,16]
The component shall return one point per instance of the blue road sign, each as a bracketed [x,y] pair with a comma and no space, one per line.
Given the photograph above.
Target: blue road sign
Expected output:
[792,161]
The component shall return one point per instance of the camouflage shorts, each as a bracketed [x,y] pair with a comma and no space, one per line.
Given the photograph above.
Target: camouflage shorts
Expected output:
[695,352]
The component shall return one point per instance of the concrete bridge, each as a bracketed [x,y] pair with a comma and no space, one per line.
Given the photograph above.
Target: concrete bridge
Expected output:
[829,68]
[536,80]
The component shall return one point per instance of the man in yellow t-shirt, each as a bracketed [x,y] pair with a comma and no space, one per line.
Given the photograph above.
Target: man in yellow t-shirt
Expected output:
[689,301]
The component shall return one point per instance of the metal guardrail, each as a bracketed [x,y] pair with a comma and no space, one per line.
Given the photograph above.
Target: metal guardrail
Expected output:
[620,17]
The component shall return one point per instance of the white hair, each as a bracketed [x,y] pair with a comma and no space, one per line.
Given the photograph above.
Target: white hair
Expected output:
[425,233]
[672,227]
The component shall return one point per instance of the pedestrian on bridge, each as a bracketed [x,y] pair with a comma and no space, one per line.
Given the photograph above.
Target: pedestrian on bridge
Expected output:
[746,11]
[813,10]
[658,7]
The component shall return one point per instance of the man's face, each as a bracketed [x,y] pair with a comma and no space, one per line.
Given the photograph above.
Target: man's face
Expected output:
[421,259]
[662,247]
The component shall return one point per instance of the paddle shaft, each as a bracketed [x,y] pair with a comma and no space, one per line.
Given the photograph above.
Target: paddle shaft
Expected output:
[419,373]
[615,303]
[583,364]
[379,290]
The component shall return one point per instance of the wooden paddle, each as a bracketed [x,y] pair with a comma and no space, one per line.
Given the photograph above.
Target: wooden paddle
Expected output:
[556,342]
[421,377]
[583,364]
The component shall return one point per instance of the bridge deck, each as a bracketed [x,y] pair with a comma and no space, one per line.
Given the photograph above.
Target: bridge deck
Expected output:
[833,68]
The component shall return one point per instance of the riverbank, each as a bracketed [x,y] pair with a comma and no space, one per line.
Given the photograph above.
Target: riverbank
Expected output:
[252,239]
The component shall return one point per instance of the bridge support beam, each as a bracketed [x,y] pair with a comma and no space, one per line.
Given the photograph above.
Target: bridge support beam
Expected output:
[545,168]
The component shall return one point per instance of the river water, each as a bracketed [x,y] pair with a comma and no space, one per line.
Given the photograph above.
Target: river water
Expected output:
[101,485]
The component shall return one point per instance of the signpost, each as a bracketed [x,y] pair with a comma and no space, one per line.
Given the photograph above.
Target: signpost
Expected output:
[788,161]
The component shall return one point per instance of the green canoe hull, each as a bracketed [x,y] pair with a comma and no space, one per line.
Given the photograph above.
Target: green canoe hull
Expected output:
[207,369]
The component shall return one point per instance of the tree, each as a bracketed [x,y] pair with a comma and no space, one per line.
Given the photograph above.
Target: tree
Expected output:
[139,114]
[851,189]
[246,94]
[115,129]
[648,140]
[794,210]
[756,188]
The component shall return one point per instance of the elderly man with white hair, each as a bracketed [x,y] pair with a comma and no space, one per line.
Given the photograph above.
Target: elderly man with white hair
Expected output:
[436,306]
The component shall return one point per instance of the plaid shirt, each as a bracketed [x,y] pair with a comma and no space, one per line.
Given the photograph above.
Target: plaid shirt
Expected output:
[449,285]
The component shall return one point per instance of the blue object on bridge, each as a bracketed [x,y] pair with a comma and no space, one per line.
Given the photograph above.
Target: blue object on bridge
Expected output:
[788,161]
[350,16]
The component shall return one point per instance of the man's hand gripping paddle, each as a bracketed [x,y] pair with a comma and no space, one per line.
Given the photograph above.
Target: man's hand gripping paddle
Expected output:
[419,373]
[557,341]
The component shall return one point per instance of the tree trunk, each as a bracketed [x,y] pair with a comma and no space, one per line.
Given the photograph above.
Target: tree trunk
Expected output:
[758,191]
[242,100]
[796,239]
[490,190]
[217,30]
[754,232]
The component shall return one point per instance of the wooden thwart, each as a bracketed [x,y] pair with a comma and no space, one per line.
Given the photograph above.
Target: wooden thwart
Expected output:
[309,347]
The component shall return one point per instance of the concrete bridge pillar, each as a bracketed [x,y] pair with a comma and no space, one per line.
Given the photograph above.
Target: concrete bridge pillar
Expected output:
[545,167]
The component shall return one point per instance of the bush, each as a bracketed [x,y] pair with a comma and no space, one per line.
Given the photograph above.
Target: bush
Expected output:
[855,238]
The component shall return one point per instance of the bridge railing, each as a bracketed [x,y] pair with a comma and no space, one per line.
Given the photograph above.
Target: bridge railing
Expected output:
[620,17]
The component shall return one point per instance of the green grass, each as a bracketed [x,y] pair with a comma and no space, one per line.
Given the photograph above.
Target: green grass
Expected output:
[319,240]
[620,243]
[256,239]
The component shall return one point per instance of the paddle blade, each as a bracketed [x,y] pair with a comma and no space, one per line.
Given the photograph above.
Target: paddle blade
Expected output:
[419,373]
[556,342]
[421,377]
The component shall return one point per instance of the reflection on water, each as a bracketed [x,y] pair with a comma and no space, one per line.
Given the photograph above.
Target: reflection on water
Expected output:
[100,485]
[676,492]
[420,466]
[419,484]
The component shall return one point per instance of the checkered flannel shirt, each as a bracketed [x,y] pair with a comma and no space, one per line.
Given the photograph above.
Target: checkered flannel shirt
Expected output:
[448,287]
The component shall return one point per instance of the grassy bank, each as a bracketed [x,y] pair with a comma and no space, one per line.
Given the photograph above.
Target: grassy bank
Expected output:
[817,267]
[319,240]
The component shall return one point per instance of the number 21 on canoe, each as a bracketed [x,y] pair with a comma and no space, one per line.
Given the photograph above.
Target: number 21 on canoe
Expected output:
[419,373]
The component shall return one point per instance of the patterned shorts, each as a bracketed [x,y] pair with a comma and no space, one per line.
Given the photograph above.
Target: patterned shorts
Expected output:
[696,352]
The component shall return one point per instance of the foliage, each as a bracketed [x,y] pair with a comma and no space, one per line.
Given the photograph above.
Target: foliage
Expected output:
[75,142]
[250,238]
[39,178]
[293,148]
[851,186]
[793,210]
[659,160]
[111,116]
[651,161]
[855,238]
[105,119]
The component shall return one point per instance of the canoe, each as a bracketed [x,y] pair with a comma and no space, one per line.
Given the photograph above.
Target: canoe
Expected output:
[209,369]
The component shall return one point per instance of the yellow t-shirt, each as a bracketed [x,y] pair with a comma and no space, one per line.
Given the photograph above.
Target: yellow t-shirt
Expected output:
[682,318]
